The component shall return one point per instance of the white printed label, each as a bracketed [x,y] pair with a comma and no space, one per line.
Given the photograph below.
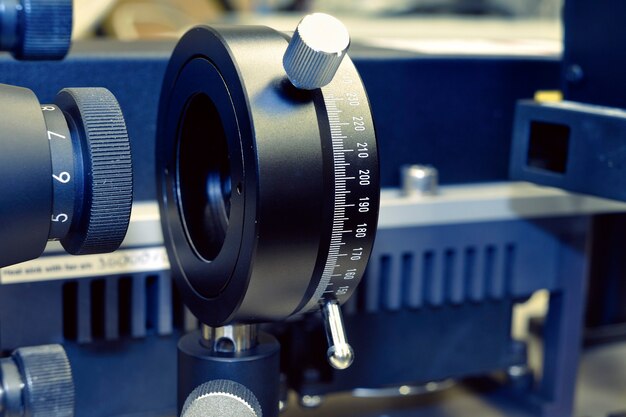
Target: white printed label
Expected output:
[121,262]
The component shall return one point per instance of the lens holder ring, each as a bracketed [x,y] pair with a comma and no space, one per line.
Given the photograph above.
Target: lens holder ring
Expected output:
[103,202]
[200,77]
[280,153]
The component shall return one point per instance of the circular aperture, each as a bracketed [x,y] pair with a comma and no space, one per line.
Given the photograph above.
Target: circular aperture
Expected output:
[204,180]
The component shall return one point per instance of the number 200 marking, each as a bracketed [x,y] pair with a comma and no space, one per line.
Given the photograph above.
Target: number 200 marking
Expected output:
[364,177]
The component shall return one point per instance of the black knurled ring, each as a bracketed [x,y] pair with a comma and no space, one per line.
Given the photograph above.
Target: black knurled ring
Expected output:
[102,219]
[45,29]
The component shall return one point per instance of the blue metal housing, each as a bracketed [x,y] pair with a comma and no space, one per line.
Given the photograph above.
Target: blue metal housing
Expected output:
[447,112]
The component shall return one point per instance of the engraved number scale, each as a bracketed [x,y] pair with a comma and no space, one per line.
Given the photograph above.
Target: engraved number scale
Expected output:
[314,60]
[355,165]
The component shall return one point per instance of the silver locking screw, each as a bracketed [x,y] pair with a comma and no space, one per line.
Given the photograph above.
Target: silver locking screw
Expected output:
[419,180]
[311,401]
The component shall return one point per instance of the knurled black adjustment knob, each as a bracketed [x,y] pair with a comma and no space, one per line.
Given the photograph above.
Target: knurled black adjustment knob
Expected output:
[48,387]
[66,168]
[104,195]
[221,398]
[43,29]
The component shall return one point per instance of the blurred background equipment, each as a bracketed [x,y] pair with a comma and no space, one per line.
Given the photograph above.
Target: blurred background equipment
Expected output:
[145,19]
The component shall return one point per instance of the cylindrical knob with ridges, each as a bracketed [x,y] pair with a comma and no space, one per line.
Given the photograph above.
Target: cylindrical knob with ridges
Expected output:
[43,29]
[316,50]
[100,224]
[221,398]
[48,387]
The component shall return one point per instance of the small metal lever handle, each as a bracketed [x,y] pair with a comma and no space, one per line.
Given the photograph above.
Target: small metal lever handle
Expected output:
[340,353]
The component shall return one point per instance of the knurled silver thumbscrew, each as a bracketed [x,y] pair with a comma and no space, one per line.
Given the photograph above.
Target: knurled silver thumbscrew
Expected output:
[316,50]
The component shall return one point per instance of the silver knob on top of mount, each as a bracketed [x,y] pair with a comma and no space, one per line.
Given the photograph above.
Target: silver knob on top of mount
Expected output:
[221,398]
[316,50]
